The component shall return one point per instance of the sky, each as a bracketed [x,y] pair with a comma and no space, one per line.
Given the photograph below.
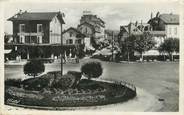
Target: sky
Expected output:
[114,14]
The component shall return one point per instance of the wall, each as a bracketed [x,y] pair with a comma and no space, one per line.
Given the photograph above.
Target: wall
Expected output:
[89,29]
[55,31]
[66,36]
[31,27]
[101,33]
[170,31]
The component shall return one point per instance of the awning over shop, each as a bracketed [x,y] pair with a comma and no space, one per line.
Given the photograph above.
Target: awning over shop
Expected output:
[105,52]
[148,53]
[7,51]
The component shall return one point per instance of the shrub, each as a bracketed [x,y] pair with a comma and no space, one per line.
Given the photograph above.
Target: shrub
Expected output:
[92,69]
[37,84]
[34,68]
[75,73]
[64,82]
[13,82]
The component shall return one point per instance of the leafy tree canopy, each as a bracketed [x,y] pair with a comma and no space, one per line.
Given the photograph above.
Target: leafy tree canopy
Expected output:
[144,43]
[169,45]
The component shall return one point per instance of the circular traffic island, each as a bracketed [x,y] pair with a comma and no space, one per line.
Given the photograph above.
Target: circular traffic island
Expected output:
[86,93]
[56,90]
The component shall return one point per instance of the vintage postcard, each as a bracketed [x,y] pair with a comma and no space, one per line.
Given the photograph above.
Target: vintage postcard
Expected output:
[91,56]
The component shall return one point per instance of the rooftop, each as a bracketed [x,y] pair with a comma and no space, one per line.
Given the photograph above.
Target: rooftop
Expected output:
[170,18]
[35,16]
[77,31]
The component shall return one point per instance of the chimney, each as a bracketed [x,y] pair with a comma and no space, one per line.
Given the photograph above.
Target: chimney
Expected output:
[158,13]
[20,11]
[151,15]
[141,26]
[129,28]
[136,23]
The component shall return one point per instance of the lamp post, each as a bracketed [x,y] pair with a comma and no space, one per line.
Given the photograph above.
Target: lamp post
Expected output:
[112,46]
[61,50]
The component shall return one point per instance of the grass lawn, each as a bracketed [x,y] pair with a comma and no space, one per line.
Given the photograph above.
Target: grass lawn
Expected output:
[160,79]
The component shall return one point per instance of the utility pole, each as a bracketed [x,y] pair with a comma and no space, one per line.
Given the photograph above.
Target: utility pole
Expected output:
[112,46]
[61,51]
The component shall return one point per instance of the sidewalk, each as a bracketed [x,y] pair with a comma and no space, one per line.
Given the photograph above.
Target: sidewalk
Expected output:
[15,62]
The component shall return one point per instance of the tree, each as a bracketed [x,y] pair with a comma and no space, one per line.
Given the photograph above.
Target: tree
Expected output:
[6,38]
[128,46]
[34,68]
[169,46]
[143,43]
[92,69]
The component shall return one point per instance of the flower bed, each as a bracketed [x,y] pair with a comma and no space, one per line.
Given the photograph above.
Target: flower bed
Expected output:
[86,93]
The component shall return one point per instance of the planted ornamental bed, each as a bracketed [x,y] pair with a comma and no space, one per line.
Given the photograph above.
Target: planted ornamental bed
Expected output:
[69,90]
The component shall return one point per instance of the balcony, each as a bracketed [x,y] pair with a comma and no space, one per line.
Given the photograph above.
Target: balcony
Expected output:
[30,34]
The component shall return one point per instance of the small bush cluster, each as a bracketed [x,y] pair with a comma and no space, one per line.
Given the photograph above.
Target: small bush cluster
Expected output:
[92,69]
[13,82]
[34,68]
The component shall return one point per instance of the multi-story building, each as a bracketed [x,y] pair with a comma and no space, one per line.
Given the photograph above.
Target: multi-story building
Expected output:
[36,29]
[168,23]
[72,36]
[131,29]
[96,25]
[160,27]
[92,27]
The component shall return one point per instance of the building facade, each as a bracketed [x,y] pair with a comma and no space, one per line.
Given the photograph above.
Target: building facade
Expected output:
[36,30]
[72,36]
[93,28]
[37,27]
[168,23]
[95,22]
[130,29]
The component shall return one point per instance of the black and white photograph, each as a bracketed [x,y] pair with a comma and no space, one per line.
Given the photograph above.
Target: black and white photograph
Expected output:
[91,56]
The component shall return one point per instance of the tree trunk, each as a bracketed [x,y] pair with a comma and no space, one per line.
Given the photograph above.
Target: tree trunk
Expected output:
[141,58]
[172,57]
[164,57]
[128,56]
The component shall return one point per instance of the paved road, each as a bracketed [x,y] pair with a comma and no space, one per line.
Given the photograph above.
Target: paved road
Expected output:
[159,79]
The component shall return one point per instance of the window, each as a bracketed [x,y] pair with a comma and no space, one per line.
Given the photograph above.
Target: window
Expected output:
[39,28]
[170,31]
[86,31]
[27,39]
[70,41]
[146,28]
[175,30]
[71,34]
[78,41]
[22,27]
[20,39]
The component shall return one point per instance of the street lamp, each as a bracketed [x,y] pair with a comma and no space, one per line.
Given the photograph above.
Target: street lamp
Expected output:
[61,46]
[112,46]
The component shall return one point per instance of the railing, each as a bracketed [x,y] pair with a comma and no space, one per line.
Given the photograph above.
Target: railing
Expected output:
[31,34]
[124,83]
